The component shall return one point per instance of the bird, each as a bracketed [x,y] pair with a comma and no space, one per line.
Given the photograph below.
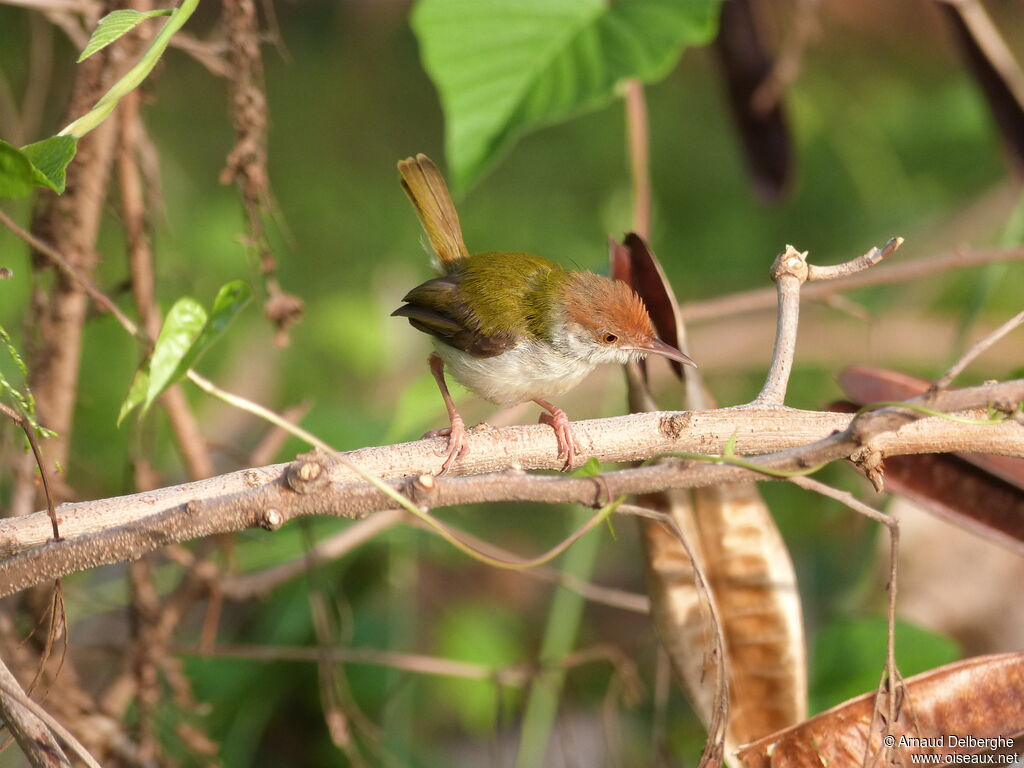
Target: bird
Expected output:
[513,327]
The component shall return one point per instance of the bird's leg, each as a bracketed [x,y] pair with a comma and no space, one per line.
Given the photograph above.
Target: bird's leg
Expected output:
[559,421]
[456,433]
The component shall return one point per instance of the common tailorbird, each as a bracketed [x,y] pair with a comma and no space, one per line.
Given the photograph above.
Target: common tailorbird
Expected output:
[514,327]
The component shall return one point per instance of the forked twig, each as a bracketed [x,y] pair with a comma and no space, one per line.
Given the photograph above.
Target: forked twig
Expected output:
[790,271]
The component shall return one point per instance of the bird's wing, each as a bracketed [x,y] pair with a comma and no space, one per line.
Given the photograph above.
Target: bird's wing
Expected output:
[435,307]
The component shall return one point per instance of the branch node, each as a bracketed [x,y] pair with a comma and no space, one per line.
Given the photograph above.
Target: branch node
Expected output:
[675,425]
[271,519]
[194,507]
[790,263]
[871,462]
[307,473]
[253,479]
[420,488]
[425,483]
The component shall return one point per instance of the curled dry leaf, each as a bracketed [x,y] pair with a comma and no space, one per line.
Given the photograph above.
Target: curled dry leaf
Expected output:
[734,537]
[983,493]
[754,586]
[987,57]
[746,66]
[958,709]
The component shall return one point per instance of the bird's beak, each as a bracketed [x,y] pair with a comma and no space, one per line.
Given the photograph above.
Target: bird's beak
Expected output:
[658,347]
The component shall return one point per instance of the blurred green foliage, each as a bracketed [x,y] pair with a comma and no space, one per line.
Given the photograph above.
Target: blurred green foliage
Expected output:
[846,654]
[892,138]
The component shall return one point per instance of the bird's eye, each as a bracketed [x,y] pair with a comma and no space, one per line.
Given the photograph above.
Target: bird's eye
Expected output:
[609,338]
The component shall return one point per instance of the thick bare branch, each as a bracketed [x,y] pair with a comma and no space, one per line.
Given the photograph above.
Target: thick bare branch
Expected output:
[112,530]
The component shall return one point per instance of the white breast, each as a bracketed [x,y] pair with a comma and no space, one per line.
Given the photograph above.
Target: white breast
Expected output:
[525,372]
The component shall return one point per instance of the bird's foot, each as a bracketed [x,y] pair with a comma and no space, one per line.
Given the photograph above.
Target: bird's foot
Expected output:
[457,447]
[559,421]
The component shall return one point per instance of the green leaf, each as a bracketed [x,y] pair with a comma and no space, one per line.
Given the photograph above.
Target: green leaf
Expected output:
[188,331]
[590,468]
[16,172]
[183,326]
[230,300]
[114,25]
[136,392]
[849,655]
[50,158]
[134,77]
[504,67]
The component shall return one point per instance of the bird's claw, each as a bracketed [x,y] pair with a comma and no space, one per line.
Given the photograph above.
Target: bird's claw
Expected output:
[457,447]
[563,432]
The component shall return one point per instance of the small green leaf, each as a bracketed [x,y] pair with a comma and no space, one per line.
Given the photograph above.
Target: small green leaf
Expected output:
[183,326]
[505,67]
[230,300]
[590,468]
[114,25]
[188,331]
[50,158]
[16,172]
[136,392]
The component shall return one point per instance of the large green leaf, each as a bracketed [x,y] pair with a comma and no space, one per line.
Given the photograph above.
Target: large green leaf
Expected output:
[503,67]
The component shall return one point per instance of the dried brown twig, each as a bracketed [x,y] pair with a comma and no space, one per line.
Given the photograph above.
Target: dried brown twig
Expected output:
[35,730]
[978,348]
[888,274]
[247,162]
[790,271]
[890,686]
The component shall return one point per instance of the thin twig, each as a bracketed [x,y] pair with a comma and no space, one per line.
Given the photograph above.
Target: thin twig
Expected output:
[891,677]
[22,422]
[72,272]
[260,583]
[977,349]
[887,274]
[871,258]
[615,598]
[718,718]
[790,271]
[12,693]
[85,8]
